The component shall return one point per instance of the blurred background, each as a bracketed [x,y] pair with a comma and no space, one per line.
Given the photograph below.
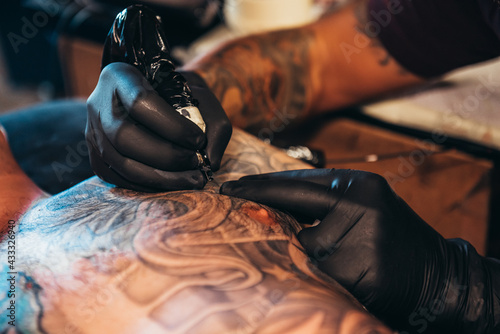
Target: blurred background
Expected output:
[51,49]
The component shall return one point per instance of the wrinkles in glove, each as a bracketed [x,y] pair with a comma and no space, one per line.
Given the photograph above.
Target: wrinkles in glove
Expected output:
[377,247]
[149,128]
[138,141]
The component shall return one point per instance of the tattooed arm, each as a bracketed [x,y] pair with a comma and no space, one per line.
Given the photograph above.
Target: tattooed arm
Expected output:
[99,259]
[293,73]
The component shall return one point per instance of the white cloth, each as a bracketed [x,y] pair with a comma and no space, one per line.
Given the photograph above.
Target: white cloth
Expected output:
[464,104]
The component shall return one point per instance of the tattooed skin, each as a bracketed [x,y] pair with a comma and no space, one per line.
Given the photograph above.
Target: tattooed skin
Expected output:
[262,79]
[100,259]
[363,27]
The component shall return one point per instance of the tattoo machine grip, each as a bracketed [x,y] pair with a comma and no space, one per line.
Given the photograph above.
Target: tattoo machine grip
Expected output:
[137,38]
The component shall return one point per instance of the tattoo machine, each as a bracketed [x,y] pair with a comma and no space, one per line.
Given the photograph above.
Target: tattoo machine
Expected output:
[137,38]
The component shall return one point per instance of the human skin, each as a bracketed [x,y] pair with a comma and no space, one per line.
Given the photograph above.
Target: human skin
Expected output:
[100,259]
[280,77]
[17,192]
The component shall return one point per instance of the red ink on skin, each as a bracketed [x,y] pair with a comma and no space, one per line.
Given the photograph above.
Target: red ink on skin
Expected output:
[259,214]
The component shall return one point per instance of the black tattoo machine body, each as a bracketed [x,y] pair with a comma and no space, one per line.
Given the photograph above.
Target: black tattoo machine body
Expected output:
[137,38]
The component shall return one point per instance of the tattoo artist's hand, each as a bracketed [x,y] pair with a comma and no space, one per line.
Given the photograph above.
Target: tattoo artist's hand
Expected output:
[138,141]
[372,242]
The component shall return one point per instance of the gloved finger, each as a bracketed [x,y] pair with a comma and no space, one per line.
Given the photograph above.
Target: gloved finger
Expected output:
[152,177]
[218,126]
[302,198]
[141,102]
[323,239]
[317,176]
[106,173]
[135,142]
[145,175]
[346,263]
[339,246]
[102,169]
[338,182]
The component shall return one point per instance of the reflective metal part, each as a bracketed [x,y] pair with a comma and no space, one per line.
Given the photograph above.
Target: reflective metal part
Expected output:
[137,38]
[206,168]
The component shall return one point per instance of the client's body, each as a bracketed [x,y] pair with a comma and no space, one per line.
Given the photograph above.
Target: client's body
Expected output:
[98,259]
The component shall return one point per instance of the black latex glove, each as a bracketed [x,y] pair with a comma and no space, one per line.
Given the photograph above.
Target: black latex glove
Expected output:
[136,137]
[138,141]
[372,243]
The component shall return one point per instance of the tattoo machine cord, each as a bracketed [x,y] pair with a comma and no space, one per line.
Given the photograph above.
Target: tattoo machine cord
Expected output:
[137,38]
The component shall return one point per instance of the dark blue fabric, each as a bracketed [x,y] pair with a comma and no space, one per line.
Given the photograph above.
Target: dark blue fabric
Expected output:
[48,142]
[432,37]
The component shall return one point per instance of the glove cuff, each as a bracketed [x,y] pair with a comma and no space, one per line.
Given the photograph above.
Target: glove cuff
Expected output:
[468,291]
[492,267]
